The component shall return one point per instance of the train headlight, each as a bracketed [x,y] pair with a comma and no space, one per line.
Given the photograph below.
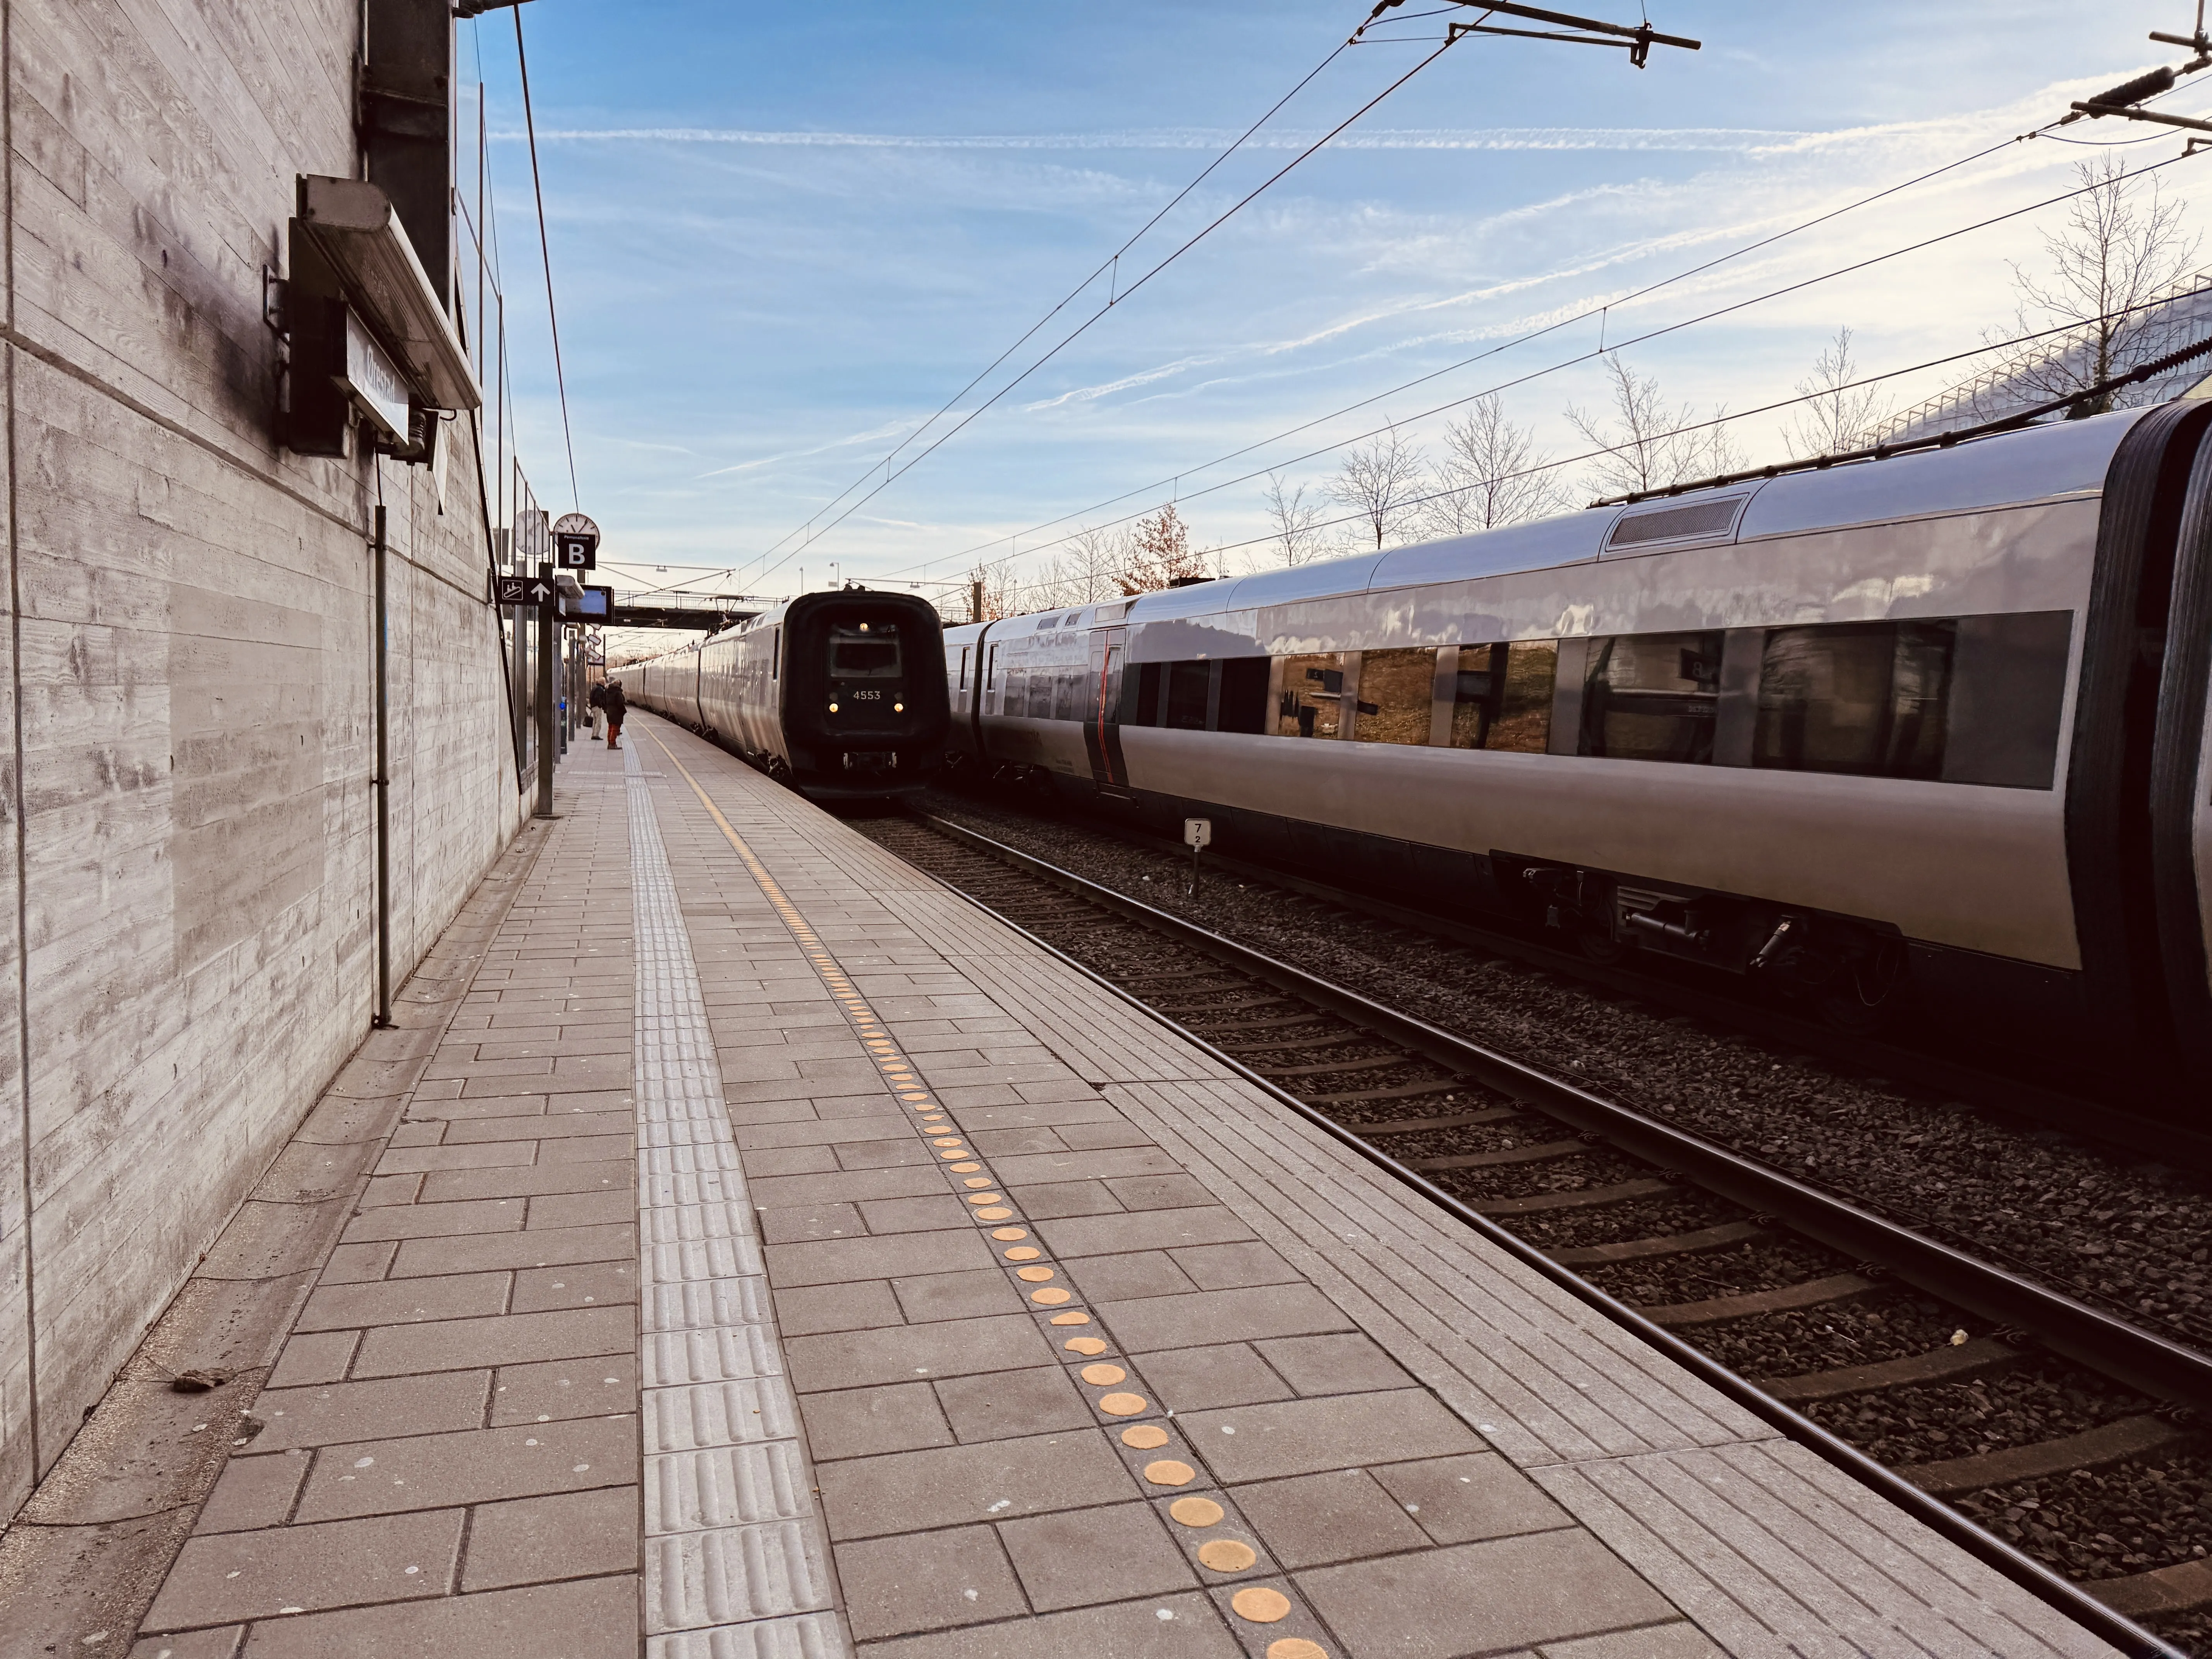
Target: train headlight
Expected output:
[898,708]
[833,708]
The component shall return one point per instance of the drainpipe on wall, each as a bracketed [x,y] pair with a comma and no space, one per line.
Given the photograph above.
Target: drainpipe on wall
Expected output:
[549,644]
[383,785]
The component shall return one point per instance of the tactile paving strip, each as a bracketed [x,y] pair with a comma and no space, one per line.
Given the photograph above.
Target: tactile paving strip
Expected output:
[737,1563]
[1259,1602]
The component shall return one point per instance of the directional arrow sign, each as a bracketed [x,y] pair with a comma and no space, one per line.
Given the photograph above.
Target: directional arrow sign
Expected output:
[524,590]
[540,593]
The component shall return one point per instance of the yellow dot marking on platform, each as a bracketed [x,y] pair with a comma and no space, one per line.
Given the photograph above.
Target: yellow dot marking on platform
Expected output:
[1084,1345]
[1053,1296]
[1122,1404]
[993,1215]
[963,1168]
[948,1140]
[1226,1555]
[1295,1647]
[1021,1252]
[978,1180]
[1260,1605]
[1145,1437]
[985,1198]
[1035,1275]
[1007,1234]
[1071,1319]
[1169,1473]
[1103,1375]
[1195,1512]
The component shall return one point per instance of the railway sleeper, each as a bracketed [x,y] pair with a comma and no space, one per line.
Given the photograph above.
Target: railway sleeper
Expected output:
[1589,1197]
[1543,1152]
[2182,1587]
[1719,1309]
[1977,1356]
[1413,1091]
[1331,1066]
[1409,1126]
[1643,1250]
[2098,1448]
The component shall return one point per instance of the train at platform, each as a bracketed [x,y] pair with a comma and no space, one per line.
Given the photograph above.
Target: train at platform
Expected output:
[840,695]
[1921,737]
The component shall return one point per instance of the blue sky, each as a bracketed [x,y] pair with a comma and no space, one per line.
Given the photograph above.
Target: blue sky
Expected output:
[783,236]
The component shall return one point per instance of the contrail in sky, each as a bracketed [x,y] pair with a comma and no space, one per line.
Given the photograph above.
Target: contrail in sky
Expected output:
[1726,139]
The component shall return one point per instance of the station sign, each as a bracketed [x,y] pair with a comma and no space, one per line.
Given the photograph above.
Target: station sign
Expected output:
[592,605]
[374,380]
[576,543]
[526,590]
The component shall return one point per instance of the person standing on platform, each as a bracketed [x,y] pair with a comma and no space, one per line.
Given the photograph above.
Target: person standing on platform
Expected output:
[614,706]
[597,702]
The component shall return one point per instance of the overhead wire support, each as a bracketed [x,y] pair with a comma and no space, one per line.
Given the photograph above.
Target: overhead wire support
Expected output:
[1637,40]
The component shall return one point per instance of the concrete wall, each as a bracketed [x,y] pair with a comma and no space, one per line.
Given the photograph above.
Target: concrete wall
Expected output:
[186,824]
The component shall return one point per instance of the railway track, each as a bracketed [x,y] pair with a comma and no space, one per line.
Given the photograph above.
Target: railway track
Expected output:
[1988,1403]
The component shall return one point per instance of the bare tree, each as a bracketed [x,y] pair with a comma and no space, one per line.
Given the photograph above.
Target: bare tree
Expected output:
[1648,445]
[1292,520]
[1837,417]
[1087,569]
[1378,482]
[1490,475]
[997,591]
[2123,244]
[1160,554]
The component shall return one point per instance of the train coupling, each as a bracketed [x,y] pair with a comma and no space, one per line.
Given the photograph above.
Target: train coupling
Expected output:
[1684,931]
[871,760]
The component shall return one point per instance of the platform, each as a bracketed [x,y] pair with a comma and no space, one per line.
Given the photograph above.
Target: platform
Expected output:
[955,1309]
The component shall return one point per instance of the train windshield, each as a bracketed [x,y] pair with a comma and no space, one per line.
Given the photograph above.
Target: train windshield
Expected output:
[864,651]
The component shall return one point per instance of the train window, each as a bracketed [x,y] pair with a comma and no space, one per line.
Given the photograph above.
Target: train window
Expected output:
[1312,700]
[1067,695]
[864,651]
[1397,695]
[1652,696]
[1864,698]
[774,650]
[1015,701]
[1142,708]
[1501,696]
[991,669]
[964,668]
[2007,692]
[1243,701]
[1189,689]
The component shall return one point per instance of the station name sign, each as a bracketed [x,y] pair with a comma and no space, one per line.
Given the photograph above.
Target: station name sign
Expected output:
[374,381]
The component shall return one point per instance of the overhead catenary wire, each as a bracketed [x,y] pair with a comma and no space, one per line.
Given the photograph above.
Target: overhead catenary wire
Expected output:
[891,477]
[544,249]
[1559,366]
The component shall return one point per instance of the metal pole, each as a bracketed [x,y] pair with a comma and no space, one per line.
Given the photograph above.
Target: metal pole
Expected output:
[548,740]
[383,785]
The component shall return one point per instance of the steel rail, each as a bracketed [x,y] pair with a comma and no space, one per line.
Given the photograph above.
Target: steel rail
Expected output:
[1523,1082]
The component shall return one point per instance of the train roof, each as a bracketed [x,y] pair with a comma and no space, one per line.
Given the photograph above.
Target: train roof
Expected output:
[2063,460]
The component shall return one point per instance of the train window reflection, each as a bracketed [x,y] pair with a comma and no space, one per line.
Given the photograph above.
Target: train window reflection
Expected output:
[1312,702]
[1501,696]
[1397,695]
[1652,696]
[1866,698]
[1189,683]
[864,651]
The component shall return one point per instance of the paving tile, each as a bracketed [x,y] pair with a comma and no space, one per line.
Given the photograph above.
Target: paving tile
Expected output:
[563,1388]
[532,1540]
[1159,1192]
[950,1347]
[905,1153]
[1114,1278]
[434,1220]
[221,1643]
[611,1208]
[1341,1515]
[914,1215]
[957,1296]
[563,1122]
[350,1307]
[1478,1598]
[1304,1437]
[1091,1136]
[1022,1169]
[1652,1642]
[578,1285]
[537,1247]
[815,1308]
[474,1465]
[1004,1404]
[911,1492]
[320,1358]
[896,1586]
[836,1260]
[1342,1363]
[1231,1267]
[1456,1500]
[358,1264]
[1184,1321]
[415,1160]
[1066,1198]
[1192,1379]
[788,1161]
[502,1339]
[448,1186]
[1145,1229]
[252,1492]
[585,1618]
[388,1189]
[781,1192]
[863,1422]
[1125,1629]
[810,1221]
[1106,1554]
[585,1149]
[227,1578]
[341,1412]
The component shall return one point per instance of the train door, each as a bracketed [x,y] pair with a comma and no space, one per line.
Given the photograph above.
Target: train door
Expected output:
[1102,726]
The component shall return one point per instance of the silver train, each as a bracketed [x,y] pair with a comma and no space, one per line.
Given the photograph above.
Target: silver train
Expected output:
[840,695]
[1925,735]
